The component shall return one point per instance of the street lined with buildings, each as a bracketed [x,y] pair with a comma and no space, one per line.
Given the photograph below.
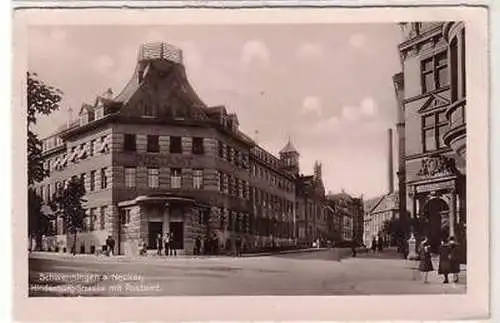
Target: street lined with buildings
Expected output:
[162,170]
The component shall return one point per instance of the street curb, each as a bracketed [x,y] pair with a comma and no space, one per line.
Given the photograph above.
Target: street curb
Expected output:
[58,255]
[265,254]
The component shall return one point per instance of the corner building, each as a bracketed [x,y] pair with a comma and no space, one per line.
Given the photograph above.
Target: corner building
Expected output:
[432,93]
[154,159]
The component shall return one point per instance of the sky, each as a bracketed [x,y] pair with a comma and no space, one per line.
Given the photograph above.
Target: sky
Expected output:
[328,87]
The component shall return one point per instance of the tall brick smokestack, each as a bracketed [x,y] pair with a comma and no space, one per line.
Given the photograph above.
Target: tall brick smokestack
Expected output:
[390,166]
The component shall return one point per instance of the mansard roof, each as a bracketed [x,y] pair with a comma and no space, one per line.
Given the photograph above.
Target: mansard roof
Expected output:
[160,65]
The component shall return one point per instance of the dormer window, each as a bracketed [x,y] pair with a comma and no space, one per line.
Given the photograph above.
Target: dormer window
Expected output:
[84,119]
[91,116]
[99,113]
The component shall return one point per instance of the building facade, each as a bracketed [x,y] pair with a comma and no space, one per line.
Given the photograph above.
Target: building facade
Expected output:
[347,217]
[155,159]
[312,222]
[432,94]
[378,211]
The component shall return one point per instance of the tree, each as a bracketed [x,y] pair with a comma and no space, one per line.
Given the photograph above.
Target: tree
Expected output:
[67,204]
[395,229]
[42,100]
[38,222]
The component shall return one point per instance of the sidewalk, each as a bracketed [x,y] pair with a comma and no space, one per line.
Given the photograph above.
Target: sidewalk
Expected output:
[154,257]
[399,276]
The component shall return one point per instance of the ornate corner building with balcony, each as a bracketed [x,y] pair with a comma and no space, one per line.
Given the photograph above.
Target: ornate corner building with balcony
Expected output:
[432,128]
[155,159]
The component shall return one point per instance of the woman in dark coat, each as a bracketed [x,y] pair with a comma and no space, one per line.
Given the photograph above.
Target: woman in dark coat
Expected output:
[425,264]
[444,260]
[454,260]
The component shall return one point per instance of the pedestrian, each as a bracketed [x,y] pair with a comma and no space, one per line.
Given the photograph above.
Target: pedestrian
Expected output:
[404,246]
[171,242]
[159,244]
[374,245]
[380,244]
[111,245]
[166,243]
[108,244]
[454,259]
[353,249]
[197,245]
[142,248]
[444,260]
[425,265]
[238,246]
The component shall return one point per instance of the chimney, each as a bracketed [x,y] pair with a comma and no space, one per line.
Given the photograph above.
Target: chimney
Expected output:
[390,169]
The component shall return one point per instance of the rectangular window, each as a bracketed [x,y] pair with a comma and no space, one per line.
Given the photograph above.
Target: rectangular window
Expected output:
[221,149]
[82,178]
[99,113]
[153,177]
[92,219]
[434,72]
[92,147]
[129,142]
[175,145]
[197,178]
[176,177]
[220,182]
[230,185]
[241,187]
[102,218]
[104,178]
[92,180]
[130,177]
[125,216]
[225,187]
[153,144]
[434,126]
[198,146]
[454,69]
[148,110]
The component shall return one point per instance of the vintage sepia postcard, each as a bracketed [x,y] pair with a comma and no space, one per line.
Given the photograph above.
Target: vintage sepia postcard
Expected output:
[317,163]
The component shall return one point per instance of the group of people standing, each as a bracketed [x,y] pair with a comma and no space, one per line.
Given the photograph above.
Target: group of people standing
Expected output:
[449,262]
[377,244]
[166,243]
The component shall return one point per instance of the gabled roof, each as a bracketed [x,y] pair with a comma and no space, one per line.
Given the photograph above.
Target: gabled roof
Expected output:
[87,108]
[382,203]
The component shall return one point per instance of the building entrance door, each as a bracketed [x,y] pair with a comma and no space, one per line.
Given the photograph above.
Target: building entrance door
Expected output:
[154,228]
[177,232]
[436,210]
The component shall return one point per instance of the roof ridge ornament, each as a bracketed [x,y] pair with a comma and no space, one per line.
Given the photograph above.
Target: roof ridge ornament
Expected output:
[160,51]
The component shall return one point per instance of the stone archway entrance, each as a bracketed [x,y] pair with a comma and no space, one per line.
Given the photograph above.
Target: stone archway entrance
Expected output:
[436,213]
